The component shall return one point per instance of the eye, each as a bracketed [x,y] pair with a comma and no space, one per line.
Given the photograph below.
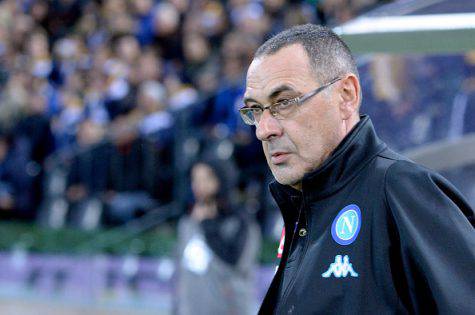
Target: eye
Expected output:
[255,108]
[284,104]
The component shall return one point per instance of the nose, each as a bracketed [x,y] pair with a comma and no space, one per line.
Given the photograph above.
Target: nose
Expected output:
[268,127]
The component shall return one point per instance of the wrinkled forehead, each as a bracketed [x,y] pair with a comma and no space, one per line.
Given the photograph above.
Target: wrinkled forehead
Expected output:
[288,67]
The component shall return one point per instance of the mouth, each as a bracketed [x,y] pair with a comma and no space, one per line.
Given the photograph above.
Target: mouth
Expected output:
[279,157]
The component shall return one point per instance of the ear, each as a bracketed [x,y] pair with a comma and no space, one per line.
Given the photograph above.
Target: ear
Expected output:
[350,94]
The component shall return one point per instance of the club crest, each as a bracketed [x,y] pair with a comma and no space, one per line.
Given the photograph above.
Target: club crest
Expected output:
[347,224]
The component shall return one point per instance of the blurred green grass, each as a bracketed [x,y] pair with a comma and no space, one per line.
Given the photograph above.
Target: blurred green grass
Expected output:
[157,242]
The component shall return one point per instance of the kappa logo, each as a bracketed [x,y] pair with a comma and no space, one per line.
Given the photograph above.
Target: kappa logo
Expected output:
[347,224]
[340,268]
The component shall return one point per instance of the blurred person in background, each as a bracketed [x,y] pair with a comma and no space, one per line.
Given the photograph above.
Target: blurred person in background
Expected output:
[14,100]
[217,247]
[10,180]
[167,32]
[132,171]
[66,123]
[197,53]
[87,176]
[34,142]
[23,153]
[151,111]
[156,126]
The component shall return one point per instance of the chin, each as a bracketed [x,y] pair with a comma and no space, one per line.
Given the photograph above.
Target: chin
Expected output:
[287,179]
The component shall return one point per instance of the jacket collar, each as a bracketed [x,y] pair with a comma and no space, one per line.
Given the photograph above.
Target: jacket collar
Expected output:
[353,153]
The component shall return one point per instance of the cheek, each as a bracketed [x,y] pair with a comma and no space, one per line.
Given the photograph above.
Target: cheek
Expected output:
[310,143]
[196,190]
[265,150]
[313,137]
[304,135]
[213,187]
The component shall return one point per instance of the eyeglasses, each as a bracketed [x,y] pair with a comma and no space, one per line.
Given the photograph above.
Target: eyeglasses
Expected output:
[281,109]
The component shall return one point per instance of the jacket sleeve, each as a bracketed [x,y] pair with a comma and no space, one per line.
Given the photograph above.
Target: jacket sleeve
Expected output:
[435,227]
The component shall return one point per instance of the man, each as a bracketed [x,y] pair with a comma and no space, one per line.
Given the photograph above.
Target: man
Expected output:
[368,231]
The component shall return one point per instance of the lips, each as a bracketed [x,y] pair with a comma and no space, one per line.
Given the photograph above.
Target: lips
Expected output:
[279,157]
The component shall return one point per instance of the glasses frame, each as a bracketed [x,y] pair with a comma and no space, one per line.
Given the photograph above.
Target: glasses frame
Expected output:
[247,111]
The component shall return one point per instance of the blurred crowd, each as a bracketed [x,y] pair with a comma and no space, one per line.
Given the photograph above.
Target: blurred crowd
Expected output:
[422,99]
[106,91]
[416,99]
[96,86]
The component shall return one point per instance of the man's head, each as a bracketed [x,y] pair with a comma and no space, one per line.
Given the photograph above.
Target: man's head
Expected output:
[292,64]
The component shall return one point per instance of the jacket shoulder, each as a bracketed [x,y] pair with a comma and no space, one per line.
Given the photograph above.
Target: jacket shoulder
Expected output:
[391,155]
[434,226]
[411,188]
[404,171]
[398,168]
[385,160]
[407,182]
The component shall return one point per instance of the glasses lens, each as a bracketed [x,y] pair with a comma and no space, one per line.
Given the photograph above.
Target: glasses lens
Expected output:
[247,116]
[284,109]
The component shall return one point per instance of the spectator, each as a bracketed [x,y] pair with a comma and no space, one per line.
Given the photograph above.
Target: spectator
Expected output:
[152,107]
[9,188]
[217,248]
[87,177]
[33,142]
[131,185]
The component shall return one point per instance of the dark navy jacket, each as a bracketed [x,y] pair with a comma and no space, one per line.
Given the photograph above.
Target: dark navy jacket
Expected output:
[373,233]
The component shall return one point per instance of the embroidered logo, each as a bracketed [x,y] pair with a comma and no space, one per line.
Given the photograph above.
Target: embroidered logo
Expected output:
[340,268]
[347,224]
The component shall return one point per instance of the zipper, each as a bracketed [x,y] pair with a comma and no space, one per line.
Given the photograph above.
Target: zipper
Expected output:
[299,262]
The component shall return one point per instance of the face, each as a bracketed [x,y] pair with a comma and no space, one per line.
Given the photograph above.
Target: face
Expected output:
[299,144]
[204,182]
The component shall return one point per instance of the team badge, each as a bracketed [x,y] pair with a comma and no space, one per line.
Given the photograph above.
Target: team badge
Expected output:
[341,268]
[347,224]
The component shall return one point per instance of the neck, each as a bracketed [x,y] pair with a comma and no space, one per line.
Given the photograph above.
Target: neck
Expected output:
[349,123]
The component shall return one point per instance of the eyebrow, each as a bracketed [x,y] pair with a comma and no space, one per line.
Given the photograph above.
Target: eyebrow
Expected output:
[281,88]
[275,92]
